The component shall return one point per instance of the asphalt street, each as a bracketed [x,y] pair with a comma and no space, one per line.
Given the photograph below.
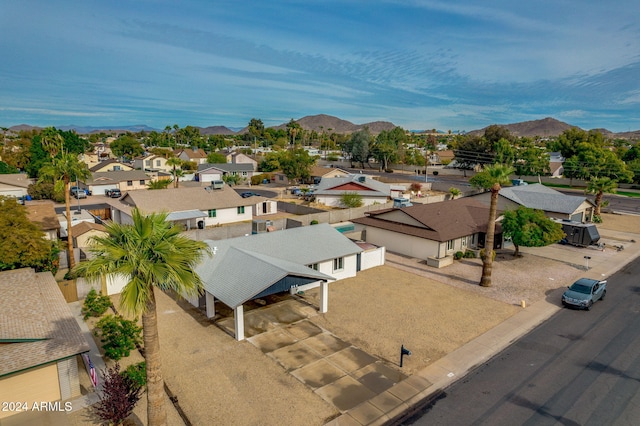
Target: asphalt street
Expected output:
[577,368]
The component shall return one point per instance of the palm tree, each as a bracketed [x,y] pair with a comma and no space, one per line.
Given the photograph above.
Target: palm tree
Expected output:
[67,168]
[149,253]
[598,186]
[174,162]
[51,141]
[454,192]
[491,178]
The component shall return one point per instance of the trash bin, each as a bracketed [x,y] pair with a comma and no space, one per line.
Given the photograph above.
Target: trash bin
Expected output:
[201,224]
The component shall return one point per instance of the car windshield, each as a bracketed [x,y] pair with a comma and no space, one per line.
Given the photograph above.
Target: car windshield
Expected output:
[580,288]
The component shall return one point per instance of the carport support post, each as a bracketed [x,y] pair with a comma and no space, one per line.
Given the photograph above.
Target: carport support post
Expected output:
[210,304]
[324,296]
[238,316]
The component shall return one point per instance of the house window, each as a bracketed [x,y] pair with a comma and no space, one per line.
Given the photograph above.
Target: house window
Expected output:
[463,240]
[473,240]
[142,182]
[212,213]
[314,266]
[147,163]
[129,183]
[116,168]
[158,163]
[449,245]
[244,173]
[338,264]
[240,209]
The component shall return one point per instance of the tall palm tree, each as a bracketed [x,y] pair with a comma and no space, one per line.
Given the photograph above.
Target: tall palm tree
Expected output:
[150,253]
[598,186]
[174,162]
[66,169]
[51,141]
[491,178]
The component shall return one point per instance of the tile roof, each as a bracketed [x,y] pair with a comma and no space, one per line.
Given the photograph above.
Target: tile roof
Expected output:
[540,197]
[184,199]
[443,221]
[370,186]
[271,256]
[36,324]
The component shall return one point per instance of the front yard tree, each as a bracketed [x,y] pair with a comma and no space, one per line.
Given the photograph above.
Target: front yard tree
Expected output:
[23,243]
[491,178]
[126,146]
[118,398]
[530,228]
[150,253]
[296,164]
[599,186]
[359,147]
[67,168]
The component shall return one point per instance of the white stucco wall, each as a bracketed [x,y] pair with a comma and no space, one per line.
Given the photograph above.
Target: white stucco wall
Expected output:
[403,244]
[372,258]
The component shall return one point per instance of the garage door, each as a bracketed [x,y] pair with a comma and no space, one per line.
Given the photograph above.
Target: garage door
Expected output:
[39,384]
[576,217]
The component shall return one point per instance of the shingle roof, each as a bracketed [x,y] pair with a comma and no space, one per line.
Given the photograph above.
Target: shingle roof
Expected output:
[84,227]
[243,267]
[183,199]
[540,197]
[443,221]
[36,324]
[103,178]
[370,186]
[16,179]
[43,213]
[226,167]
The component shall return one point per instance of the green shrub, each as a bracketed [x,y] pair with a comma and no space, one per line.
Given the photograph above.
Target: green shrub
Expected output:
[470,254]
[95,304]
[458,255]
[118,335]
[332,158]
[314,222]
[351,200]
[137,373]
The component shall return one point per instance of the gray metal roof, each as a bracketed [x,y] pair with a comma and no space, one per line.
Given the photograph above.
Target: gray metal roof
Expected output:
[184,215]
[540,197]
[243,267]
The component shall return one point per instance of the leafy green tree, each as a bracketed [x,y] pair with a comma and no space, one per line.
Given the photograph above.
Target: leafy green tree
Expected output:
[37,157]
[271,162]
[470,150]
[592,161]
[23,243]
[52,141]
[255,130]
[118,335]
[359,147]
[43,191]
[351,200]
[95,304]
[599,186]
[126,146]
[505,154]
[632,153]
[388,146]
[150,253]
[6,169]
[495,133]
[569,141]
[530,228]
[66,169]
[73,143]
[491,178]
[532,161]
[634,167]
[216,158]
[231,180]
[296,164]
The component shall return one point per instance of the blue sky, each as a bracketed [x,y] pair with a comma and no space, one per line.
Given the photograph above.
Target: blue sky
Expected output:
[421,64]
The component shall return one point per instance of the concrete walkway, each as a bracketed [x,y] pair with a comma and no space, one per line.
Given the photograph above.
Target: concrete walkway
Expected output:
[411,393]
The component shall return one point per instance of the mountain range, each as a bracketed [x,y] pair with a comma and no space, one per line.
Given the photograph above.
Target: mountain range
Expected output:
[545,127]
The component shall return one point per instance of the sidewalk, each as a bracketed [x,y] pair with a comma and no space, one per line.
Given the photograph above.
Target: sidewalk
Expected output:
[413,392]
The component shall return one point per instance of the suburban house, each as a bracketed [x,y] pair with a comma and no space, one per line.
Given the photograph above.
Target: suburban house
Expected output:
[152,163]
[83,232]
[330,190]
[43,214]
[240,158]
[193,207]
[554,203]
[14,185]
[111,165]
[318,173]
[282,261]
[556,164]
[40,341]
[122,180]
[198,156]
[209,172]
[433,232]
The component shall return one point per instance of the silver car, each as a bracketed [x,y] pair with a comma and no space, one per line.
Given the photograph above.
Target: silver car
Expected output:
[584,293]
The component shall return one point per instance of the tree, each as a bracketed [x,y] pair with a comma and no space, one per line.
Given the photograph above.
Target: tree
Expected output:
[491,178]
[359,147]
[530,228]
[51,141]
[255,130]
[126,146]
[174,162]
[66,169]
[119,336]
[23,243]
[6,169]
[599,186]
[388,145]
[158,184]
[296,164]
[293,129]
[150,253]
[216,158]
[454,192]
[119,396]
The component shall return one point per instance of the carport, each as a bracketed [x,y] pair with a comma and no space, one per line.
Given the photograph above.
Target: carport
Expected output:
[246,275]
[185,217]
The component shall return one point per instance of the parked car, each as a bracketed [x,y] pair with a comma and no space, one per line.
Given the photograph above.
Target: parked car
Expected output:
[583,293]
[248,194]
[113,193]
[77,192]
